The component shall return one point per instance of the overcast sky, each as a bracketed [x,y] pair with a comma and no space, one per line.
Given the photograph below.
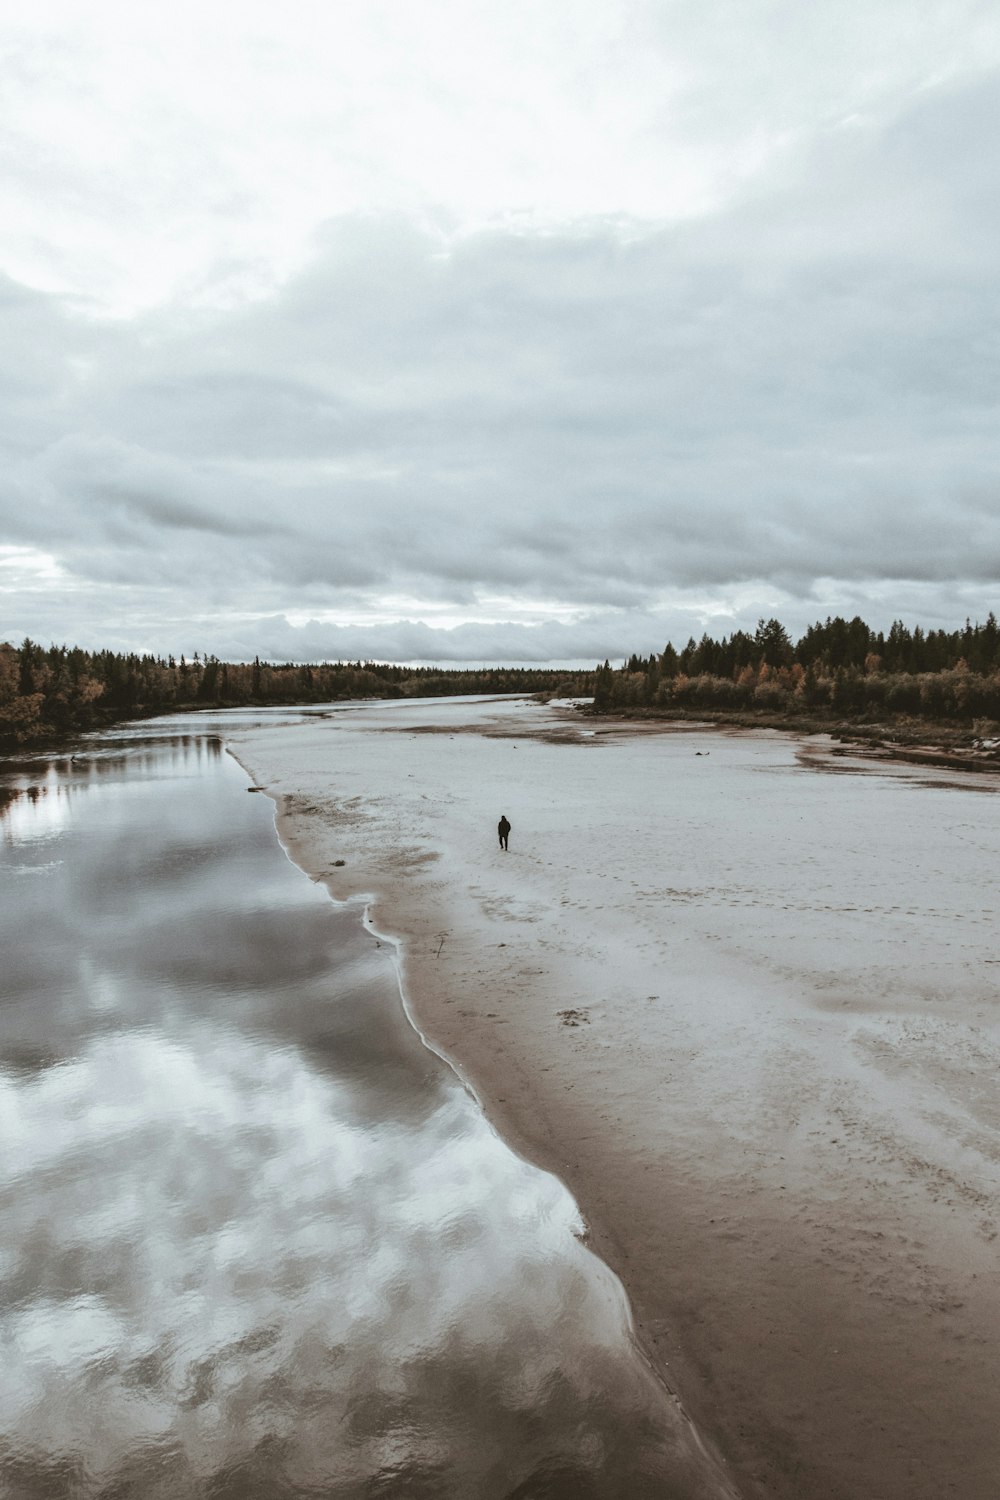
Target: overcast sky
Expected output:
[460,330]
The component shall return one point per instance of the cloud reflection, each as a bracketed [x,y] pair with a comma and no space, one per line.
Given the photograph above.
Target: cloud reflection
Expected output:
[207,1253]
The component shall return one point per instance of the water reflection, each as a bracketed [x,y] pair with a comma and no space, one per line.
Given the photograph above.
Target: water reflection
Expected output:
[257,1240]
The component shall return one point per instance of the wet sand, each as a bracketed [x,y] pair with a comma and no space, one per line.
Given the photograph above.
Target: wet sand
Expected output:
[741,995]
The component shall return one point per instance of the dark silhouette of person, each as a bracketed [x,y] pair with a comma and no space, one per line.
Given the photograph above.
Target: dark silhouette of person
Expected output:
[503,829]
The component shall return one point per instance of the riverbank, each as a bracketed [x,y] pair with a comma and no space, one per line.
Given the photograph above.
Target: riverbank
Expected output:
[757,1043]
[903,737]
[918,741]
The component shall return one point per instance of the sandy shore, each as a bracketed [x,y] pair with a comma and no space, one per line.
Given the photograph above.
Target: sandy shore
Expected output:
[747,1010]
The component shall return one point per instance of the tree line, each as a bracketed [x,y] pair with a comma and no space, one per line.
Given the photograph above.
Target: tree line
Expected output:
[840,668]
[48,692]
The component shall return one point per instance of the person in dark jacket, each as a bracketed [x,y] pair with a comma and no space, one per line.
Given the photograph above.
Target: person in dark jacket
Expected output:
[503,829]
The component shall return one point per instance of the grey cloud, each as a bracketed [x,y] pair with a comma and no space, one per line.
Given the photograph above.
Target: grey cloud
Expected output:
[800,389]
[117,485]
[243,415]
[469,644]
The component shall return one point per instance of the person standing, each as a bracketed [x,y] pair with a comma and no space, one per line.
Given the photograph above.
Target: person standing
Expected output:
[503,829]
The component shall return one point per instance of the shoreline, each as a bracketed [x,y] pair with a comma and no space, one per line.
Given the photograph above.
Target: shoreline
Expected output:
[916,741]
[503,1122]
[908,738]
[735,1279]
[715,1468]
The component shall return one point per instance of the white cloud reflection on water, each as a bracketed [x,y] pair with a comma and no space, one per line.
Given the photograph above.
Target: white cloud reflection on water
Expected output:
[209,1254]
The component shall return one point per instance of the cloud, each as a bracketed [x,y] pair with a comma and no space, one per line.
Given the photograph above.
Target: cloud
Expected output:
[474,643]
[436,444]
[114,484]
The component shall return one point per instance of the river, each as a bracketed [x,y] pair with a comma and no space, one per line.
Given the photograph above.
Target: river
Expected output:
[258,1240]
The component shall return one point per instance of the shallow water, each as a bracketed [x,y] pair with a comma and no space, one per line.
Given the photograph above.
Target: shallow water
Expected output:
[256,1239]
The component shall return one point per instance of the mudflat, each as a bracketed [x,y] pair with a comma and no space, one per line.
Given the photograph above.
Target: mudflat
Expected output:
[742,996]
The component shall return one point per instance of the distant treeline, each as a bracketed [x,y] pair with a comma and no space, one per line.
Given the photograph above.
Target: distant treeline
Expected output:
[56,690]
[841,668]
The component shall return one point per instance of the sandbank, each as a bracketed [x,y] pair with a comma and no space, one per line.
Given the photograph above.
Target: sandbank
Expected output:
[741,995]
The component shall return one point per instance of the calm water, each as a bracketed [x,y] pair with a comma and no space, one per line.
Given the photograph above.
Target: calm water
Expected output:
[256,1239]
